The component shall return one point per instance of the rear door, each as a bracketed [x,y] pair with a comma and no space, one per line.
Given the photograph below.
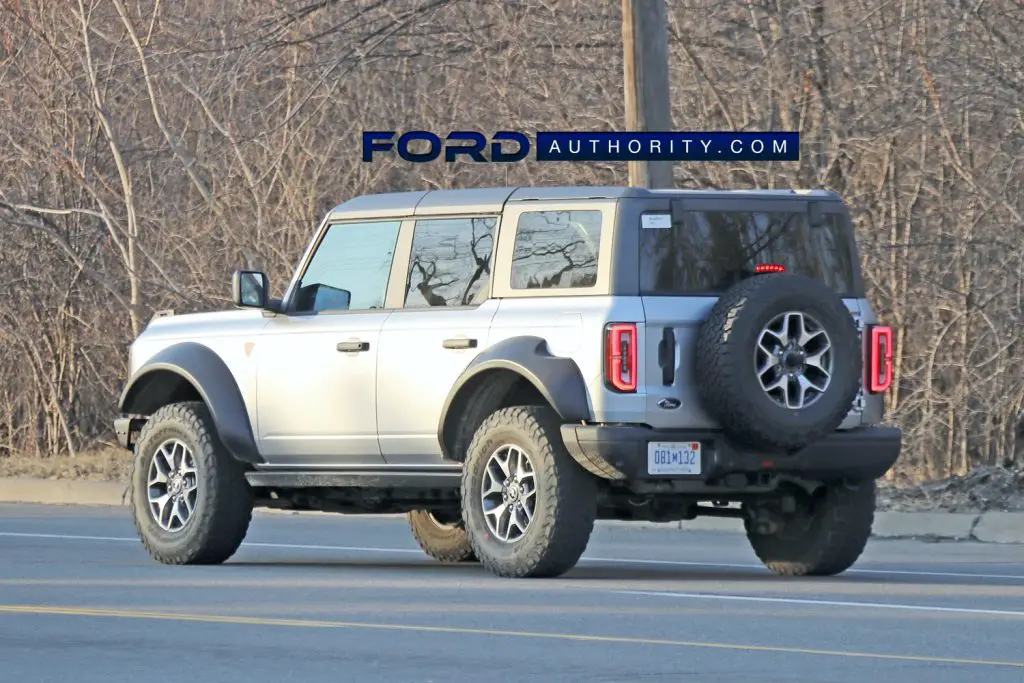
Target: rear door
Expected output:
[684,264]
[443,324]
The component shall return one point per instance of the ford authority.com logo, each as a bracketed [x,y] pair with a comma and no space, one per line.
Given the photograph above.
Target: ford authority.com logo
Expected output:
[421,146]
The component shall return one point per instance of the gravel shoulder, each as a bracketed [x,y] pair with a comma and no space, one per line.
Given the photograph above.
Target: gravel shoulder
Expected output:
[105,464]
[983,489]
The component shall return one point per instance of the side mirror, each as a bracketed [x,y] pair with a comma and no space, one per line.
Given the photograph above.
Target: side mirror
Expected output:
[250,289]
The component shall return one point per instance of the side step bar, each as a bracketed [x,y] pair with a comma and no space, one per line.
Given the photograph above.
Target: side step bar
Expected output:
[366,477]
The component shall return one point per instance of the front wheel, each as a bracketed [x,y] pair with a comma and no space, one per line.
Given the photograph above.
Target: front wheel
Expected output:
[825,536]
[191,503]
[529,507]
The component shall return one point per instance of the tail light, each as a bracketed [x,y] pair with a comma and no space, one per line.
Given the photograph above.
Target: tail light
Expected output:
[769,268]
[620,357]
[879,358]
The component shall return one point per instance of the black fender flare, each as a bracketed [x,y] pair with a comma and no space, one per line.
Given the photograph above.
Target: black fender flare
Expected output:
[158,379]
[558,379]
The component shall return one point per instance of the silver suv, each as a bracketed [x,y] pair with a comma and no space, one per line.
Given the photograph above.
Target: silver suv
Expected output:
[507,365]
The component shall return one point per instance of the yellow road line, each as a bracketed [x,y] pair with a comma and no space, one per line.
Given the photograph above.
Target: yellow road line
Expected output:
[579,637]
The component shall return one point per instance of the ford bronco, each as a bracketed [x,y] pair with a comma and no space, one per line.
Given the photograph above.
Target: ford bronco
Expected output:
[507,365]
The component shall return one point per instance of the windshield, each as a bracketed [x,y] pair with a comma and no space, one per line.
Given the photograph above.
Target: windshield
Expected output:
[712,250]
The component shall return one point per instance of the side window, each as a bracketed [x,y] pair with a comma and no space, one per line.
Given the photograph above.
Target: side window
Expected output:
[450,264]
[350,268]
[556,249]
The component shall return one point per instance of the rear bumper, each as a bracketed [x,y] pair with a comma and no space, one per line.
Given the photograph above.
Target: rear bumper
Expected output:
[620,452]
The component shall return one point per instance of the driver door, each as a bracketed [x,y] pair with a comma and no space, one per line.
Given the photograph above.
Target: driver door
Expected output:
[316,365]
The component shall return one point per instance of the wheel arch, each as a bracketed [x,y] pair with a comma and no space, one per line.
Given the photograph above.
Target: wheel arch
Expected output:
[192,371]
[514,371]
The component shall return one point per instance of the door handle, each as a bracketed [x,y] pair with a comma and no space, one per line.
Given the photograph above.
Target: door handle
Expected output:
[353,346]
[461,343]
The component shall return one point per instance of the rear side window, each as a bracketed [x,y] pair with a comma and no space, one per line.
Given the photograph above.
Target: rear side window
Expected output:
[556,249]
[450,263]
[712,250]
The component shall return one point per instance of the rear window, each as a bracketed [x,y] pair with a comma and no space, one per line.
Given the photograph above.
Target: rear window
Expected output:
[712,250]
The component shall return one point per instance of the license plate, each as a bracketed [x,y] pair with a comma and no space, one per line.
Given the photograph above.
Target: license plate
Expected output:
[673,457]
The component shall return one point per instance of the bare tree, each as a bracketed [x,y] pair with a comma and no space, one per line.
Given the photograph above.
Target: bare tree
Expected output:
[148,148]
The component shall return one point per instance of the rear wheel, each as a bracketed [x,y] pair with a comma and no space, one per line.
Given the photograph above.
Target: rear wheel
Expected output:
[443,537]
[529,507]
[825,536]
[191,503]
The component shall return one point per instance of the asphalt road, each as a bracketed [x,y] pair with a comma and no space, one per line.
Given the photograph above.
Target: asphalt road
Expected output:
[318,598]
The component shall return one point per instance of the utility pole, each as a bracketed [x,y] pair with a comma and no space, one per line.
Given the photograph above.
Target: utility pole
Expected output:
[645,47]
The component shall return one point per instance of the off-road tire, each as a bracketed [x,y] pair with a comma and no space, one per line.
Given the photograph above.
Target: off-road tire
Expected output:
[223,510]
[724,370]
[566,505]
[443,542]
[826,542]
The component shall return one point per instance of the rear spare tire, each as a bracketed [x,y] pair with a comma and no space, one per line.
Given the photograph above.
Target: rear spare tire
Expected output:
[778,362]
